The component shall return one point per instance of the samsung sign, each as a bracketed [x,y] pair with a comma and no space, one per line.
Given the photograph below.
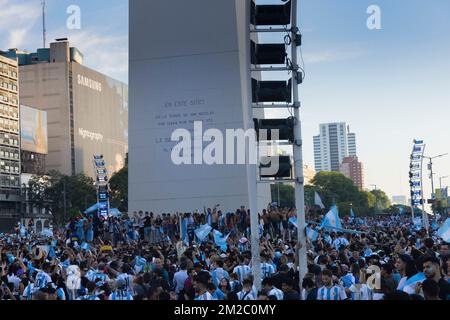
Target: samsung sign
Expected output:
[89,83]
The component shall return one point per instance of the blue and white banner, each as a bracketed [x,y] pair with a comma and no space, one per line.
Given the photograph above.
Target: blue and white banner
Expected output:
[444,231]
[332,219]
[352,213]
[411,282]
[293,221]
[220,240]
[202,232]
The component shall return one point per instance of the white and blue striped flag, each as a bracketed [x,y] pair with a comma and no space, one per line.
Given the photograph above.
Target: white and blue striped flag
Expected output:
[444,231]
[202,232]
[332,219]
[220,240]
[411,282]
[318,201]
[293,221]
[352,213]
[85,246]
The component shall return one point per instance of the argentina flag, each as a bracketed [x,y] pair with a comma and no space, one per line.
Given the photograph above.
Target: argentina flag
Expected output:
[202,232]
[410,284]
[220,240]
[352,213]
[444,231]
[318,201]
[331,219]
[293,221]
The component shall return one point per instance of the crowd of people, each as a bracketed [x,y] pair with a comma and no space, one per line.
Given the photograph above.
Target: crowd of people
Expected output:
[147,256]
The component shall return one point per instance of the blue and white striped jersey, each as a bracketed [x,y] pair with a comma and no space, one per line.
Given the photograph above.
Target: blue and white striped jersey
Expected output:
[333,293]
[277,293]
[205,296]
[242,271]
[218,274]
[267,270]
[120,295]
[244,296]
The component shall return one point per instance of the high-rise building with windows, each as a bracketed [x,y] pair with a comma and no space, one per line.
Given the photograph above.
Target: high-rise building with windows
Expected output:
[87,111]
[9,143]
[353,169]
[332,145]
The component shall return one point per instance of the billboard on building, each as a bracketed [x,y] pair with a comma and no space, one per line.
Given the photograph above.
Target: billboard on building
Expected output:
[33,130]
[100,119]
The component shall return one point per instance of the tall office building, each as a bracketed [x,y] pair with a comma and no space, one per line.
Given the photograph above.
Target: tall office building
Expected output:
[332,145]
[353,169]
[9,143]
[87,111]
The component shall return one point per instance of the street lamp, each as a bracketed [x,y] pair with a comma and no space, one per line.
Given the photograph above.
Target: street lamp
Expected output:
[430,167]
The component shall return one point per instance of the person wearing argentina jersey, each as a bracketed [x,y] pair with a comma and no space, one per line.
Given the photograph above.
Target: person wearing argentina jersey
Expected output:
[28,291]
[124,275]
[121,292]
[201,281]
[242,270]
[91,293]
[42,278]
[268,286]
[267,269]
[247,291]
[219,273]
[330,291]
[98,275]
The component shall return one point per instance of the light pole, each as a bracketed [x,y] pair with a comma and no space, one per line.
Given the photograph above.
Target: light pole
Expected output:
[430,167]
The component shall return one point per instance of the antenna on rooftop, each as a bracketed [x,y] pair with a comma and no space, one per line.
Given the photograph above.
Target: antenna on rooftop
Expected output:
[44,31]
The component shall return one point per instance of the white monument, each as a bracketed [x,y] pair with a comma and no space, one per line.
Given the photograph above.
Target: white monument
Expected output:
[189,61]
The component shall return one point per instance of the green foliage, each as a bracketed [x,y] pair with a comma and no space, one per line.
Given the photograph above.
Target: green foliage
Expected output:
[119,188]
[382,201]
[287,195]
[62,195]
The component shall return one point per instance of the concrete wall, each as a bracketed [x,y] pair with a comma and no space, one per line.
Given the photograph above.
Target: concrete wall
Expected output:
[186,63]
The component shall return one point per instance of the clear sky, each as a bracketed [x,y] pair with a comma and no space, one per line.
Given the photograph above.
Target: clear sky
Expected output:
[390,85]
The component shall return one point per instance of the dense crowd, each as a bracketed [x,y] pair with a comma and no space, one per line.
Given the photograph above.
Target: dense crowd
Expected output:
[146,256]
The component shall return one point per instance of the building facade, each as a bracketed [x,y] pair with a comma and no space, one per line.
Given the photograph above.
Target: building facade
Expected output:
[332,145]
[87,111]
[353,169]
[9,143]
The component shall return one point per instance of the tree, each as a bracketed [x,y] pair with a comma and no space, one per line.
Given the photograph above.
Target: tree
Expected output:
[336,189]
[287,195]
[382,201]
[119,188]
[50,191]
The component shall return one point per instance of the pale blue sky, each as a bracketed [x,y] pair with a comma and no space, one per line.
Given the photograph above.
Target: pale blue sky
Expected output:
[390,85]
